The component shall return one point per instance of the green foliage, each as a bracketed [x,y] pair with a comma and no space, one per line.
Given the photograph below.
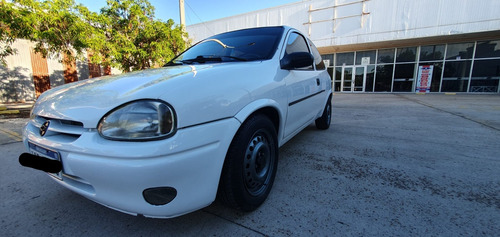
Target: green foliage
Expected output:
[139,41]
[14,23]
[123,34]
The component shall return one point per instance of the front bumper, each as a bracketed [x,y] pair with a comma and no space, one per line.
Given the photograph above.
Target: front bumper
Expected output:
[115,173]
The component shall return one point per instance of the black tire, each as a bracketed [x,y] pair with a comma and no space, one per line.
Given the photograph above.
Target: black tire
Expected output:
[324,121]
[250,166]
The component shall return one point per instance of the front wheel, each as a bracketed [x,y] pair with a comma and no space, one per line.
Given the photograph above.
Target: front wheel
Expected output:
[324,121]
[250,165]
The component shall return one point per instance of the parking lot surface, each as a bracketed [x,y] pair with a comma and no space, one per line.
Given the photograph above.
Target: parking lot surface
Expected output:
[390,164]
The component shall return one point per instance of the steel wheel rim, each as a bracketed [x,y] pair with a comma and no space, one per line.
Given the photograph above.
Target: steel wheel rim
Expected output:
[258,164]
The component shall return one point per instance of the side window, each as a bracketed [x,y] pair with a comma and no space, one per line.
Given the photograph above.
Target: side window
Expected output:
[297,43]
[318,60]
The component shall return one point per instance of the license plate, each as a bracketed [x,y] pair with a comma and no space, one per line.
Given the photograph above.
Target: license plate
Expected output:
[47,153]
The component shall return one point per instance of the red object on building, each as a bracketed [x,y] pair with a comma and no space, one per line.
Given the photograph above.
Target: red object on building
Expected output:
[40,72]
[70,74]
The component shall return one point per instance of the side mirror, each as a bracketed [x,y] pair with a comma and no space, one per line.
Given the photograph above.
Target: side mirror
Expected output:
[296,60]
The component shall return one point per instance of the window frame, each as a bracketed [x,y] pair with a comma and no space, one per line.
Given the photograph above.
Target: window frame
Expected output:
[285,45]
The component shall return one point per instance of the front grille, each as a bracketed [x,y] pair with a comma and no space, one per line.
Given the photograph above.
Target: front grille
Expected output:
[59,129]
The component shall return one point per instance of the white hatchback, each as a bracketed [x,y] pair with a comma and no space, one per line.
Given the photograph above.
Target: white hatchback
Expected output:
[164,142]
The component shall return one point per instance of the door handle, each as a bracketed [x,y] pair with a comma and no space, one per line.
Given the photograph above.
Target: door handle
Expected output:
[317,81]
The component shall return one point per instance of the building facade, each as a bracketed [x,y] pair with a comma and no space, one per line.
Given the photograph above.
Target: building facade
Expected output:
[391,45]
[28,74]
[368,45]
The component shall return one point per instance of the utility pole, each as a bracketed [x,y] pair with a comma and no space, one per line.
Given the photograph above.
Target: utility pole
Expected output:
[182,14]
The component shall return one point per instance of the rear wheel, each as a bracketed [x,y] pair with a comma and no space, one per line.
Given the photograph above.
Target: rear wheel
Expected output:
[250,165]
[324,121]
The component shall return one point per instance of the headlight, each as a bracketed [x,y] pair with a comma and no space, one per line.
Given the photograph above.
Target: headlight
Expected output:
[139,121]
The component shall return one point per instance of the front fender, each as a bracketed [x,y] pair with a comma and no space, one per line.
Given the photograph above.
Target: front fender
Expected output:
[260,104]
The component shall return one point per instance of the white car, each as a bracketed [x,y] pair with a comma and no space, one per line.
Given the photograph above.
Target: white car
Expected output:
[164,142]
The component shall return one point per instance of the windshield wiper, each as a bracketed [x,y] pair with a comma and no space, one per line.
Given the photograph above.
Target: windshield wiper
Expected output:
[173,63]
[235,58]
[203,59]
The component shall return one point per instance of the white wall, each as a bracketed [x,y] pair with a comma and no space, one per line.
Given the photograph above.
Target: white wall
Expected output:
[82,67]
[56,70]
[358,21]
[291,14]
[16,80]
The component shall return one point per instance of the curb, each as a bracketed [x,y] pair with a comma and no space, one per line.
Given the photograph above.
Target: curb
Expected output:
[15,110]
[9,112]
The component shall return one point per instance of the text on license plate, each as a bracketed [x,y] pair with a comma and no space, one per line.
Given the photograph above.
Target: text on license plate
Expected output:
[43,151]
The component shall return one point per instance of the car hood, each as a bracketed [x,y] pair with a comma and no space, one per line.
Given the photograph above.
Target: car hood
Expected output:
[198,93]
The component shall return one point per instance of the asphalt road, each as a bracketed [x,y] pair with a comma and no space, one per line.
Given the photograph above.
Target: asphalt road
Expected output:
[406,164]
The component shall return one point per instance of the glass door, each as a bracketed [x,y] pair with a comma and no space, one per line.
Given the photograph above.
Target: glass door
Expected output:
[353,79]
[359,79]
[347,79]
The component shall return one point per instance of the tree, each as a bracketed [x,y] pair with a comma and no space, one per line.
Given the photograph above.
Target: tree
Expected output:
[101,51]
[60,28]
[123,34]
[139,41]
[53,25]
[15,23]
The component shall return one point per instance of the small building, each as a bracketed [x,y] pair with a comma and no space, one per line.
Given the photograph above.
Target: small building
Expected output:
[391,45]
[28,74]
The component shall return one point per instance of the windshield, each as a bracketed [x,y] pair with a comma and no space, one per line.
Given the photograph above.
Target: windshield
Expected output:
[243,45]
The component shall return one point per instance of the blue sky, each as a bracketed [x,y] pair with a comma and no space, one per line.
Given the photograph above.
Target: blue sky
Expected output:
[198,10]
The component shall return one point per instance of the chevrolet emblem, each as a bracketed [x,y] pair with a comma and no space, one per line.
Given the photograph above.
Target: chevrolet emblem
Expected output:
[44,128]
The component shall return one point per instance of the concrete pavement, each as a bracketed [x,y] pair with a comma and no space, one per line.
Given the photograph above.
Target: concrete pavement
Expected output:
[15,110]
[391,164]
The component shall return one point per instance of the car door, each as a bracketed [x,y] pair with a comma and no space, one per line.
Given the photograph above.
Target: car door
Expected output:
[303,87]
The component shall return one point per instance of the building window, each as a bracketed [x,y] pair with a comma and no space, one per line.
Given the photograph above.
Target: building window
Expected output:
[383,80]
[457,67]
[433,55]
[403,77]
[338,78]
[370,78]
[459,51]
[456,76]
[365,57]
[406,54]
[485,76]
[330,72]
[345,59]
[385,56]
[432,52]
[488,49]
[436,75]
[329,59]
